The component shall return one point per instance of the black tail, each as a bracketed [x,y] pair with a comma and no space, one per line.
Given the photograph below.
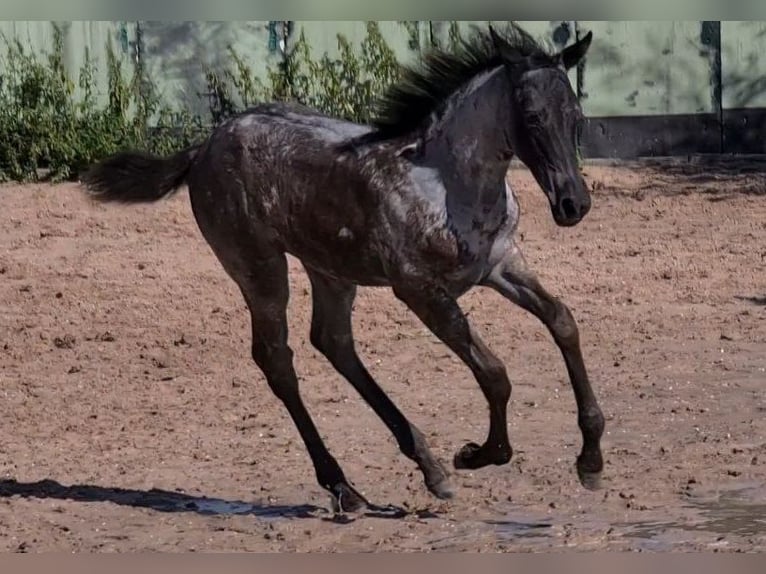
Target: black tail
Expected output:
[134,177]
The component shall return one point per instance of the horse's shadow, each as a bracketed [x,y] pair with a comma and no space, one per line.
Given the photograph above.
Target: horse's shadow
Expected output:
[156,499]
[167,501]
[754,300]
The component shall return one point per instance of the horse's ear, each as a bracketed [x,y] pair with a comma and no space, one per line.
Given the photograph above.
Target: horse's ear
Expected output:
[571,55]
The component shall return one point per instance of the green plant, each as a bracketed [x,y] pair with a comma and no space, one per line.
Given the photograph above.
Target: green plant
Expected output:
[53,125]
[345,86]
[35,104]
[49,130]
[413,29]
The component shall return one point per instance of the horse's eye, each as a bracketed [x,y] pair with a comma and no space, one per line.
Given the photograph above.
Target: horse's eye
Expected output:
[536,117]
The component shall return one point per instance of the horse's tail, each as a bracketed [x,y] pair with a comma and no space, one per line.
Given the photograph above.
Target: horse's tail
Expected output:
[135,177]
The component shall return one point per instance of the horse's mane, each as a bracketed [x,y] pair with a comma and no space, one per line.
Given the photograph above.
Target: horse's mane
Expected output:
[424,88]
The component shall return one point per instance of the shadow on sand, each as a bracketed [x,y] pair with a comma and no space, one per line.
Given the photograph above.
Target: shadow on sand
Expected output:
[167,501]
[754,300]
[155,499]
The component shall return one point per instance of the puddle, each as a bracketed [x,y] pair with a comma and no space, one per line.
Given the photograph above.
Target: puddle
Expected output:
[741,512]
[217,507]
[527,529]
[221,507]
[711,519]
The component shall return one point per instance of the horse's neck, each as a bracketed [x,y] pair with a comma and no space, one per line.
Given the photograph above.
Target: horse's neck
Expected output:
[469,144]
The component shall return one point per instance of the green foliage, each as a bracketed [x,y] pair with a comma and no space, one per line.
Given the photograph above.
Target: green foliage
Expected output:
[344,87]
[413,28]
[53,126]
[347,86]
[49,130]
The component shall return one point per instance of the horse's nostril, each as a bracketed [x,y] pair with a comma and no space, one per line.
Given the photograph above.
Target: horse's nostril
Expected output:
[569,208]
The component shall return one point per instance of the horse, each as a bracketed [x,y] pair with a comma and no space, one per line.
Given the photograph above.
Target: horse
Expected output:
[415,200]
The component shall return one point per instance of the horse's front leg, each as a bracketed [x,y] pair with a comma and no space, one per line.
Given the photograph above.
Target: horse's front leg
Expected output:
[441,313]
[515,281]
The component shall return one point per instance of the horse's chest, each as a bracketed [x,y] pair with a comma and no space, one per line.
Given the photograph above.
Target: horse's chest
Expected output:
[453,232]
[460,257]
[484,226]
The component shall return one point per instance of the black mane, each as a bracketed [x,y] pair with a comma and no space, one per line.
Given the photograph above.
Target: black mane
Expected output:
[423,89]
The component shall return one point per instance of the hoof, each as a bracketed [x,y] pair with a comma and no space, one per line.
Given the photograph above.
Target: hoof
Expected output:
[437,481]
[589,471]
[466,457]
[473,456]
[590,480]
[442,489]
[346,499]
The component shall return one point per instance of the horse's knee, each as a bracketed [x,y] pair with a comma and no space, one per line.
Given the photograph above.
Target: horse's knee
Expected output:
[564,326]
[494,380]
[336,347]
[266,354]
[276,362]
[318,341]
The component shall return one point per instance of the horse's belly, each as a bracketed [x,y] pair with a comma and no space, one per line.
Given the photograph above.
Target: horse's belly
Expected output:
[341,258]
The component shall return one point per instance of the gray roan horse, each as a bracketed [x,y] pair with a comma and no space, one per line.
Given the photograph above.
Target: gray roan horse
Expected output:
[417,201]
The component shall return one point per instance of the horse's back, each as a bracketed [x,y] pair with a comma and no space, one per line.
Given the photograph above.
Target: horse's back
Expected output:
[301,120]
[276,176]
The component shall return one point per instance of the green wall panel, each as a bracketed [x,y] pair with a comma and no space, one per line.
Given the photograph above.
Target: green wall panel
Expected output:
[648,68]
[177,55]
[78,36]
[743,64]
[323,36]
[656,82]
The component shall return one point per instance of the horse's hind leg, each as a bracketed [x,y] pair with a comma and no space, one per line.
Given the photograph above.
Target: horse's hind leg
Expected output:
[331,334]
[265,288]
[513,279]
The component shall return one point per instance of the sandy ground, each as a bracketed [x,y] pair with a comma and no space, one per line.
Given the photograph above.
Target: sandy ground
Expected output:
[133,419]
